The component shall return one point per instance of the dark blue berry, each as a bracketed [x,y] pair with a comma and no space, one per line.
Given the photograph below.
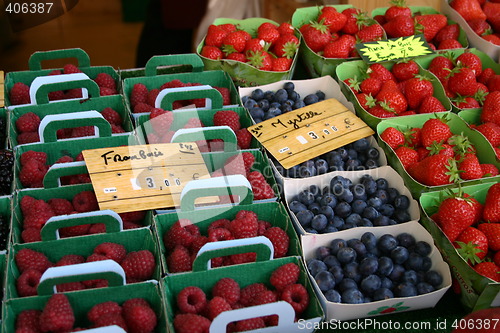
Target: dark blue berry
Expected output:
[338,273]
[369,239]
[434,278]
[358,246]
[385,266]
[346,284]
[322,252]
[386,210]
[397,273]
[333,295]
[422,248]
[296,206]
[337,222]
[381,221]
[359,192]
[286,108]
[336,245]
[307,171]
[424,288]
[269,95]
[331,260]
[280,96]
[328,200]
[346,195]
[382,195]
[405,239]
[319,222]
[289,86]
[373,153]
[386,282]
[405,289]
[370,213]
[382,184]
[327,211]
[315,266]
[386,243]
[294,96]
[402,202]
[351,271]
[354,218]
[370,283]
[298,104]
[368,266]
[343,209]
[311,99]
[375,202]
[358,206]
[361,145]
[257,94]
[320,94]
[400,254]
[321,166]
[410,276]
[325,280]
[346,255]
[393,193]
[264,104]
[257,113]
[426,264]
[314,208]
[415,262]
[306,197]
[382,294]
[352,296]
[305,217]
[371,164]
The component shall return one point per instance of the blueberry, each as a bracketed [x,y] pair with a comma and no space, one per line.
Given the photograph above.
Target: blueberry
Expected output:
[354,218]
[264,104]
[346,255]
[382,294]
[375,252]
[358,246]
[352,296]
[306,197]
[334,157]
[359,192]
[343,209]
[321,166]
[315,266]
[320,94]
[256,113]
[269,95]
[424,288]
[297,206]
[293,172]
[405,239]
[305,217]
[415,262]
[352,154]
[382,184]
[275,105]
[314,208]
[397,273]
[400,254]
[311,99]
[353,165]
[373,153]
[337,189]
[362,158]
[370,283]
[280,96]
[257,94]
[346,284]
[329,200]
[386,283]
[333,295]
[386,243]
[382,195]
[286,108]
[322,252]
[273,112]
[361,145]
[345,182]
[422,248]
[351,271]
[325,280]
[375,202]
[307,171]
[311,230]
[330,228]
[330,260]
[244,99]
[358,206]
[294,96]
[288,102]
[381,221]
[289,86]
[405,289]
[338,273]
[371,164]
[393,193]
[420,276]
[386,210]
[343,153]
[433,278]
[346,195]
[314,189]
[370,213]
[348,226]
[336,245]
[426,264]
[410,276]
[402,202]
[258,120]
[327,211]
[298,104]
[250,104]
[369,239]
[368,266]
[370,186]
[385,266]
[319,222]
[337,222]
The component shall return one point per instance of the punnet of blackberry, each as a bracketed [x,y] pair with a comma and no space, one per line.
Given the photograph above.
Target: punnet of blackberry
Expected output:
[6,171]
[3,132]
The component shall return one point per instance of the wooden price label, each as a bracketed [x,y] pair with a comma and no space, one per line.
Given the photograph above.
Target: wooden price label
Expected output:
[394,49]
[302,134]
[2,88]
[132,178]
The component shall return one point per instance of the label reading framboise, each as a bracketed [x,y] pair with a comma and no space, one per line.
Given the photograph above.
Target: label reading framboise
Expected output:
[144,177]
[394,49]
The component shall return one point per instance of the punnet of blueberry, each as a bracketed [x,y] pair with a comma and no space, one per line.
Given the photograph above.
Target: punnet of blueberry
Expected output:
[371,268]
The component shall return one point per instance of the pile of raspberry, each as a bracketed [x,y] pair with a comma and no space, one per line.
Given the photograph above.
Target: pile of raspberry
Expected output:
[135,315]
[184,239]
[27,127]
[142,100]
[196,311]
[160,122]
[36,213]
[137,265]
[20,92]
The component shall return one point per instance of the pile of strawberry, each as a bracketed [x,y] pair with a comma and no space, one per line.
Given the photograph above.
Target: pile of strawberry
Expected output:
[474,229]
[20,92]
[27,127]
[142,100]
[399,21]
[271,49]
[435,156]
[184,239]
[334,34]
[196,310]
[161,121]
[401,91]
[490,118]
[36,212]
[482,16]
[465,81]
[135,315]
[137,265]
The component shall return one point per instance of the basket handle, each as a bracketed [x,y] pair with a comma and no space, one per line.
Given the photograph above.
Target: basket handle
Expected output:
[192,59]
[35,61]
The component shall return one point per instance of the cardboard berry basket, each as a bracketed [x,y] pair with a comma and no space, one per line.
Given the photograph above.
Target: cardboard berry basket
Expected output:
[35,69]
[245,275]
[485,152]
[342,311]
[477,291]
[165,64]
[462,37]
[317,65]
[82,301]
[475,40]
[110,218]
[293,187]
[55,149]
[353,69]
[54,250]
[116,102]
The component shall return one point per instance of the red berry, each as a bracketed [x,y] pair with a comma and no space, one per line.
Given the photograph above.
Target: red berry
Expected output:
[248,293]
[60,206]
[139,265]
[105,80]
[227,118]
[32,174]
[111,116]
[297,296]
[244,138]
[109,319]
[19,94]
[250,324]
[140,319]
[280,240]
[142,108]
[191,323]
[215,306]
[27,282]
[244,227]
[27,258]
[57,315]
[179,260]
[138,95]
[183,232]
[103,308]
[228,289]
[261,189]
[28,319]
[284,276]
[113,251]
[70,259]
[28,137]
[161,120]
[28,122]
[191,300]
[85,201]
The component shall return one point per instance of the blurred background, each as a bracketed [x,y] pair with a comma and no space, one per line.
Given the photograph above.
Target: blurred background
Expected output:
[110,30]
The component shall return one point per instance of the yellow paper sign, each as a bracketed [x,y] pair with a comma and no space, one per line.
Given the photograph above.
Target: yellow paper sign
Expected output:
[2,89]
[394,49]
[132,178]
[302,134]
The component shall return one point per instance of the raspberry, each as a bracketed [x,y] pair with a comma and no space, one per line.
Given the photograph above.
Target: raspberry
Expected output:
[267,296]
[70,286]
[27,204]
[197,244]
[97,228]
[117,129]
[216,145]
[228,289]
[65,159]
[194,123]
[130,303]
[215,306]
[33,155]
[111,116]
[182,232]
[28,137]
[284,276]
[70,69]
[235,165]
[226,95]
[27,282]
[36,221]
[142,108]
[250,324]
[136,216]
[28,319]
[139,265]
[28,122]
[103,308]
[263,226]
[130,225]
[244,138]
[70,259]
[179,260]
[153,93]
[30,235]
[79,157]
[280,241]
[85,201]
[60,206]
[227,118]
[244,227]
[105,80]
[247,214]
[19,94]
[243,258]
[82,131]
[153,138]
[109,319]
[191,300]
[27,258]
[140,319]
[261,189]
[95,257]
[167,137]
[249,160]
[107,91]
[32,174]
[73,93]
[77,230]
[161,120]
[56,95]
[248,294]
[139,94]
[219,234]
[221,223]
[173,84]
[57,315]
[191,323]
[297,296]
[113,251]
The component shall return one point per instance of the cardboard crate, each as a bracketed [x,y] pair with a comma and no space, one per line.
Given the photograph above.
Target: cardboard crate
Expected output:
[243,74]
[132,240]
[317,65]
[341,311]
[35,69]
[293,187]
[116,102]
[477,291]
[83,301]
[485,151]
[245,275]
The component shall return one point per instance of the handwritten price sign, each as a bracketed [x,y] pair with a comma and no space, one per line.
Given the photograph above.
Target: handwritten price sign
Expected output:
[302,134]
[394,49]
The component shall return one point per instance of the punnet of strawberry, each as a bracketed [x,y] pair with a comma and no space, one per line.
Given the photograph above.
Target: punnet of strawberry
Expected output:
[400,20]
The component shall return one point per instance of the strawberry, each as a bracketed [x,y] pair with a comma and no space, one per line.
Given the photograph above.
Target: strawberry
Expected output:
[286,28]
[435,130]
[260,60]
[286,46]
[365,100]
[441,66]
[491,108]
[407,156]
[469,10]
[340,48]
[470,167]
[211,52]
[334,20]
[413,137]
[237,56]
[465,102]
[462,81]
[472,245]
[281,64]
[215,36]
[382,110]
[393,137]
[496,258]
[441,148]
[269,35]
[449,32]
[430,25]
[479,26]
[489,270]
[397,8]
[492,12]
[380,72]
[254,44]
[392,96]
[371,85]
[235,41]
[471,61]
[355,20]
[492,233]
[57,315]
[494,83]
[489,170]
[492,39]
[400,26]
[491,131]
[449,44]
[317,36]
[435,170]
[491,212]
[431,104]
[416,89]
[405,69]
[370,33]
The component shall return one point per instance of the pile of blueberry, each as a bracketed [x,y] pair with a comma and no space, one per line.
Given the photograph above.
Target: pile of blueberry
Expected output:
[344,205]
[264,105]
[359,155]
[369,269]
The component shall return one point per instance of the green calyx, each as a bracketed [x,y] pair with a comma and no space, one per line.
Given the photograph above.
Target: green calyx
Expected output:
[320,26]
[354,83]
[398,3]
[461,144]
[385,105]
[362,19]
[256,59]
[435,148]
[453,171]
[370,101]
[228,49]
[480,96]
[289,49]
[469,251]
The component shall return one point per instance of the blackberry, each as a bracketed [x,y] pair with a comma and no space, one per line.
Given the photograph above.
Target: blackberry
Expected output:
[4,232]
[6,171]
[3,132]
